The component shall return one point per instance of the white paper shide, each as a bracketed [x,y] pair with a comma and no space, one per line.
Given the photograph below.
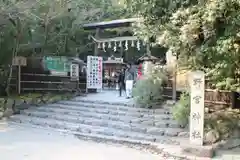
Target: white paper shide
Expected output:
[197,84]
[94,72]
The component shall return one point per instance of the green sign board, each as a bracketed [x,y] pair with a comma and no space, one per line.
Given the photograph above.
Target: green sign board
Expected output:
[57,64]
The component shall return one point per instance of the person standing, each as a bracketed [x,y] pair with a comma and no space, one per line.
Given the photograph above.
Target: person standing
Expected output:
[129,80]
[121,79]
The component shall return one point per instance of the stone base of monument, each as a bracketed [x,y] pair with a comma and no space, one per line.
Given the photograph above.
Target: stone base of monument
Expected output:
[198,151]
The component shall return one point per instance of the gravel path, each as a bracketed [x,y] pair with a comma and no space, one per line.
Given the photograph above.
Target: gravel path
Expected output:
[21,143]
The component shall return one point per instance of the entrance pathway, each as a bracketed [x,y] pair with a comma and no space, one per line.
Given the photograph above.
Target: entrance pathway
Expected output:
[25,143]
[105,115]
[101,116]
[107,96]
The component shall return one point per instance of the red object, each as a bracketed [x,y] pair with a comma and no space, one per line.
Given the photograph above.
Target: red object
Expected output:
[139,71]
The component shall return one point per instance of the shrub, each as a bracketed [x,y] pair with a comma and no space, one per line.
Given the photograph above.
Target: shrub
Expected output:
[226,122]
[181,111]
[148,90]
[1,104]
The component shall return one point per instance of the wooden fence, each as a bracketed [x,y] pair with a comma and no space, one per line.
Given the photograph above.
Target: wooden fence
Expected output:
[32,82]
[214,98]
[44,82]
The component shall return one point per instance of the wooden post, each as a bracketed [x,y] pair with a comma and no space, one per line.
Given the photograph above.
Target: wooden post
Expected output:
[96,50]
[148,49]
[19,61]
[96,45]
[19,79]
[174,82]
[174,75]
[122,52]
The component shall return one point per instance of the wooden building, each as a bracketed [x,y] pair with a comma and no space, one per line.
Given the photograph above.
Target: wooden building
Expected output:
[112,65]
[111,68]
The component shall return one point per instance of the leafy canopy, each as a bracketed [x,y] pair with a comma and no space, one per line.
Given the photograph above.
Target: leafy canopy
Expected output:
[205,34]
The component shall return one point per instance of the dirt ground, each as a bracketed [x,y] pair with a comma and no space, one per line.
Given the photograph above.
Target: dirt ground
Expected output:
[18,143]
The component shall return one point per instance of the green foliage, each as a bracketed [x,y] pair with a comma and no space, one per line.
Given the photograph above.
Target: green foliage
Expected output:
[181,111]
[204,34]
[31,27]
[148,90]
[225,122]
[51,27]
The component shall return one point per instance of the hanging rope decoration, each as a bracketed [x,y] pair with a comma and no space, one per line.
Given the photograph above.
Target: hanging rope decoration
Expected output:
[138,45]
[126,45]
[115,46]
[103,43]
[103,46]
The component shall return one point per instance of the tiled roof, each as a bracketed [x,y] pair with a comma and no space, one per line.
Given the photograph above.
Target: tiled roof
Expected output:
[111,24]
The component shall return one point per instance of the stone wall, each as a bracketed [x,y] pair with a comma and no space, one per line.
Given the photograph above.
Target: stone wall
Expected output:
[13,105]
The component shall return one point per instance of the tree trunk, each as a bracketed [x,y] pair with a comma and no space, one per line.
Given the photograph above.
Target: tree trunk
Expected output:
[96,50]
[66,43]
[14,53]
[46,36]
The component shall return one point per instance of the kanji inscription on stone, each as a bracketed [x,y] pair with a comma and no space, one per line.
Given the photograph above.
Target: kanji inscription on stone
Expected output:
[197,84]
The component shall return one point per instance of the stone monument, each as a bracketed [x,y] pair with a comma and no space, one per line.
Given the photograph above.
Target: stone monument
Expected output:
[197,84]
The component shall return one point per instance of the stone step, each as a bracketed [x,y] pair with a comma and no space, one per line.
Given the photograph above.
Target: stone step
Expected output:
[159,127]
[105,110]
[128,104]
[165,109]
[157,120]
[83,129]
[80,99]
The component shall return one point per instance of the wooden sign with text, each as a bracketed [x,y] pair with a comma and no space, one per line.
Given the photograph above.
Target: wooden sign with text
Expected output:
[19,61]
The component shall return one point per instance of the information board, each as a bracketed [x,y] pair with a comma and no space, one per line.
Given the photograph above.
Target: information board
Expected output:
[19,61]
[94,72]
[57,65]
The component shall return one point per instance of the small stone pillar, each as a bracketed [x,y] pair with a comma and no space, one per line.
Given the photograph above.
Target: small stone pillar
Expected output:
[147,67]
[148,62]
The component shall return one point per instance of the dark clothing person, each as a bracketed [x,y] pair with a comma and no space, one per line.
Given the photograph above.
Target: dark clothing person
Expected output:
[129,81]
[121,82]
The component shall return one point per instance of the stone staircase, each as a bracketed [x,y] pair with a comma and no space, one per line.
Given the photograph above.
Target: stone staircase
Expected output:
[98,119]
